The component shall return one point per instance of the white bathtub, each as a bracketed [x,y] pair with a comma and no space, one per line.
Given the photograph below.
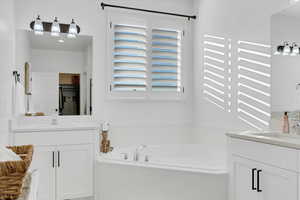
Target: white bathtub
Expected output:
[172,172]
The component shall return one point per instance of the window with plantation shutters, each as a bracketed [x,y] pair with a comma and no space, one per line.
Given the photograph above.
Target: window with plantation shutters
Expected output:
[166,60]
[129,59]
[146,57]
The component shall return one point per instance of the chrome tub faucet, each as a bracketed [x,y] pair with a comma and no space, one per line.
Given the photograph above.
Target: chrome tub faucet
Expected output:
[137,151]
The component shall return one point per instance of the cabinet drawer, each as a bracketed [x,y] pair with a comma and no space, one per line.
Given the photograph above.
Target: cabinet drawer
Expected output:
[55,138]
[265,153]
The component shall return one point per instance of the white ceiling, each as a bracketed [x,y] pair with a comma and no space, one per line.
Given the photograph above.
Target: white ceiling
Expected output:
[293,11]
[46,41]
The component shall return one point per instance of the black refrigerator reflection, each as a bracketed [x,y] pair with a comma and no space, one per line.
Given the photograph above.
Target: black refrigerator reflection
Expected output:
[69,96]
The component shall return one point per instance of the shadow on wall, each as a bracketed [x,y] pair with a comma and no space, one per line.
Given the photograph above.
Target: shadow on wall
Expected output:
[237,79]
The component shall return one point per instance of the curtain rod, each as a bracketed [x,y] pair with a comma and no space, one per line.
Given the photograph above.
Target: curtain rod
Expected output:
[103,5]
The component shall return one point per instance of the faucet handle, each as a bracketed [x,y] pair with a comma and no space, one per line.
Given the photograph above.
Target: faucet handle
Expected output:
[125,156]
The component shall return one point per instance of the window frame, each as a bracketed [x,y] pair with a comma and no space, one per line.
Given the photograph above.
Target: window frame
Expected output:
[151,22]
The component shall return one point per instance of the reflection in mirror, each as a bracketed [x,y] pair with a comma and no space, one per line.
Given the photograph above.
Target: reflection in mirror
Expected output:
[60,74]
[69,94]
[285,63]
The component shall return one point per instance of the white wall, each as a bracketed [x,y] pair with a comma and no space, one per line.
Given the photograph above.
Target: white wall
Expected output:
[22,55]
[234,20]
[45,93]
[57,61]
[89,75]
[132,122]
[6,56]
[22,51]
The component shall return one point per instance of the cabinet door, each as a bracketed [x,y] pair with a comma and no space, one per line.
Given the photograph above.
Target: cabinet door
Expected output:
[277,184]
[75,171]
[44,161]
[241,179]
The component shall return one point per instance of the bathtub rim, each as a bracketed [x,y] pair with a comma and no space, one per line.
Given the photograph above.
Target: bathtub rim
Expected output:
[100,159]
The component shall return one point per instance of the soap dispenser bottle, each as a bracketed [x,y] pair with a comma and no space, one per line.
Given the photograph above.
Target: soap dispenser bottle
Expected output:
[286,126]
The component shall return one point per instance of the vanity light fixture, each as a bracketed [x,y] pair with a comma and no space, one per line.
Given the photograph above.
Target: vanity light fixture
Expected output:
[288,50]
[55,28]
[72,30]
[38,26]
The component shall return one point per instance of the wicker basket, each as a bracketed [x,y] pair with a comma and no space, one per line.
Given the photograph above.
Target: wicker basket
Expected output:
[12,173]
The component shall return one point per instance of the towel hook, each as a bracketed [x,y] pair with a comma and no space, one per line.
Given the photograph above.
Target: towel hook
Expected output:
[17,75]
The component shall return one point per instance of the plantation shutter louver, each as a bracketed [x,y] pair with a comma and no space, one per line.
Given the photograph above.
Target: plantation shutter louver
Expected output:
[129,58]
[166,60]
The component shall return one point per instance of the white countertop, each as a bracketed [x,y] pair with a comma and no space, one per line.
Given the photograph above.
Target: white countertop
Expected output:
[45,124]
[273,138]
[58,127]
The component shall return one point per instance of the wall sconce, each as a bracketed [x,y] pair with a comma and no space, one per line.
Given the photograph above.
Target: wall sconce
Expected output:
[55,28]
[288,50]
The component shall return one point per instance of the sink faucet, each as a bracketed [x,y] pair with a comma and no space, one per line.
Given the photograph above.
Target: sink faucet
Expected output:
[137,152]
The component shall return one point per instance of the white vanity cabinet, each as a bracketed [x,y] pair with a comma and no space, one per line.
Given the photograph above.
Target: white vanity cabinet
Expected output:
[262,171]
[75,171]
[43,160]
[65,160]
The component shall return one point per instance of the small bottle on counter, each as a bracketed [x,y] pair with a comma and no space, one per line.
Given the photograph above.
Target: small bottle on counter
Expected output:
[105,143]
[286,125]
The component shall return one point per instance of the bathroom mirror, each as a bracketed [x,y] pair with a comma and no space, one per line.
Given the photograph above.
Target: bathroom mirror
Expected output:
[285,38]
[60,74]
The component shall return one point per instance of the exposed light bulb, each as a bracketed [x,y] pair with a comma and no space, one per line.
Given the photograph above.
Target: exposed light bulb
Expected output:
[55,28]
[295,50]
[38,26]
[286,49]
[72,30]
